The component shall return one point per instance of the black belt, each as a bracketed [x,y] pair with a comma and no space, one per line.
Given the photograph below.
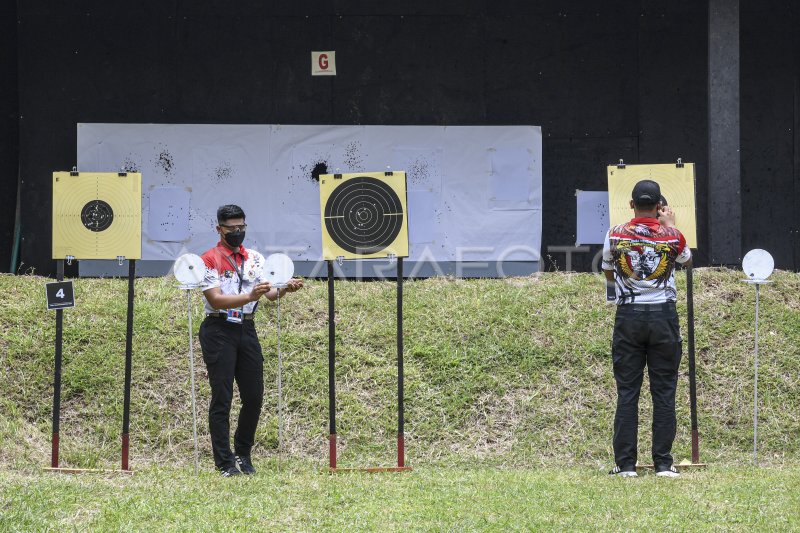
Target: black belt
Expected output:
[247,316]
[643,308]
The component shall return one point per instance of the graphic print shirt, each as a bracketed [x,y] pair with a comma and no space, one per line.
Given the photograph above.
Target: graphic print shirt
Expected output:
[220,272]
[642,253]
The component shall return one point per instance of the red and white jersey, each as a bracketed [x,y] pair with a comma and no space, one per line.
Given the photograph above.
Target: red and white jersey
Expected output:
[642,253]
[220,272]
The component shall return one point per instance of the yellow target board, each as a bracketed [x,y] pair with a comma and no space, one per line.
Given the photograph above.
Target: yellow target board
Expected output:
[364,215]
[677,187]
[97,215]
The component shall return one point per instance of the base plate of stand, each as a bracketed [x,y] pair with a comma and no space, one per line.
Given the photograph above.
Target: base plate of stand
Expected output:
[86,471]
[371,470]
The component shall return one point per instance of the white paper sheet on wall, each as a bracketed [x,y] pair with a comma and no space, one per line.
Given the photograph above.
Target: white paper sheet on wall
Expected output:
[510,181]
[169,214]
[592,217]
[267,170]
[421,217]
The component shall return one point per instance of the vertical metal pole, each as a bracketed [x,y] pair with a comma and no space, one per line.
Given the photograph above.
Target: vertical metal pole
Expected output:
[401,461]
[57,377]
[755,391]
[128,364]
[692,375]
[280,381]
[331,370]
[191,382]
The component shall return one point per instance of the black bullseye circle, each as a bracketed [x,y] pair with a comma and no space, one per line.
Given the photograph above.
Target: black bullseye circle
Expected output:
[97,215]
[363,215]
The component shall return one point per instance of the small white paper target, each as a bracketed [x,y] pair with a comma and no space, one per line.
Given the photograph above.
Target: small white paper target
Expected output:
[189,269]
[758,264]
[278,269]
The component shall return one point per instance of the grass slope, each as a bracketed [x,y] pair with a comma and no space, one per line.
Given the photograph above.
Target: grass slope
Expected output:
[506,372]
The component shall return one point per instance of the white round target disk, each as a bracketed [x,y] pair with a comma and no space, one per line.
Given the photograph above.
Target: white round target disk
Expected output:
[278,269]
[758,264]
[189,269]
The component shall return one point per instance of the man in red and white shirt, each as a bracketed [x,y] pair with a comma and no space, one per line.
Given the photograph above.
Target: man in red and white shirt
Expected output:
[233,286]
[639,259]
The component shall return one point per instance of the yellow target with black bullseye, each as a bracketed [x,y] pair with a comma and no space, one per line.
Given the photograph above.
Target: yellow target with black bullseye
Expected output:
[97,215]
[677,187]
[364,215]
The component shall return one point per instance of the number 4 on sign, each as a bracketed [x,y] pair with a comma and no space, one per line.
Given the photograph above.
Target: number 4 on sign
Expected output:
[60,294]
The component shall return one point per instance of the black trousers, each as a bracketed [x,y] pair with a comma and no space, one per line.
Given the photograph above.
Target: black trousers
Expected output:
[648,337]
[232,353]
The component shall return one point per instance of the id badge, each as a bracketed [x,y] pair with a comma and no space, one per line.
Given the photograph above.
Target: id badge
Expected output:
[235,316]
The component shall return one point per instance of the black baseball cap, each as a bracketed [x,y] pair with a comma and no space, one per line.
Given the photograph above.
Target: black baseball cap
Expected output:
[646,192]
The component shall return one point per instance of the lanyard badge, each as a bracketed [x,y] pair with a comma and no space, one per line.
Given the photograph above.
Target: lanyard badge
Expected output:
[235,316]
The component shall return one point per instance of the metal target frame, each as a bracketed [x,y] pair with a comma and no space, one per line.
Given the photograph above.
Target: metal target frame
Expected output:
[96,215]
[364,216]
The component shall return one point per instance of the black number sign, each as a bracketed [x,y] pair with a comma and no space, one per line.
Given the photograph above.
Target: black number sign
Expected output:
[60,294]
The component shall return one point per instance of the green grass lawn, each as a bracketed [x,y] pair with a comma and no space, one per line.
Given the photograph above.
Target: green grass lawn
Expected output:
[509,406]
[300,497]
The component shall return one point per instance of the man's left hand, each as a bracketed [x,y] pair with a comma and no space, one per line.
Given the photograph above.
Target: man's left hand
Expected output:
[294,284]
[666,217]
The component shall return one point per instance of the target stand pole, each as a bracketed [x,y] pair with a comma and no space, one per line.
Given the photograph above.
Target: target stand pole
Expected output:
[128,367]
[189,270]
[401,466]
[401,460]
[280,381]
[54,459]
[692,378]
[191,381]
[692,374]
[695,464]
[755,389]
[331,371]
[758,265]
[57,378]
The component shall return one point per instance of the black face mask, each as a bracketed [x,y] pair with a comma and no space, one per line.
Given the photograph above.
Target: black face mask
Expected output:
[234,239]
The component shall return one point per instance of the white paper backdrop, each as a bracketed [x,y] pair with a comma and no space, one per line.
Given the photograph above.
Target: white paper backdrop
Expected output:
[475,192]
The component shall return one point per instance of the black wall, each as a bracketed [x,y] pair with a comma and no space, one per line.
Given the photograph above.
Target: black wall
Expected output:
[770,98]
[9,132]
[605,80]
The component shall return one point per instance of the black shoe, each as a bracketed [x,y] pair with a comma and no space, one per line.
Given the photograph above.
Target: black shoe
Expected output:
[244,464]
[229,471]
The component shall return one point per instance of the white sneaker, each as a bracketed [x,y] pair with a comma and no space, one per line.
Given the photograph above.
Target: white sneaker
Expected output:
[668,472]
[617,471]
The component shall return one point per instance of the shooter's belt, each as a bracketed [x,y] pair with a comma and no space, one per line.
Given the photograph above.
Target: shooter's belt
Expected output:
[247,316]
